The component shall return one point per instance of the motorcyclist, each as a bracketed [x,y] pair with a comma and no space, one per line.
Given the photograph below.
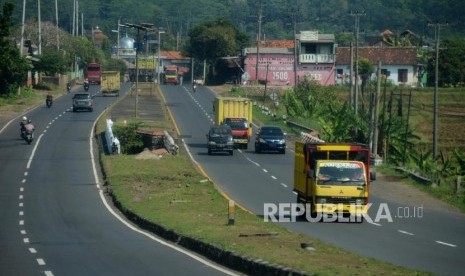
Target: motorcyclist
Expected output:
[29,127]
[22,125]
[49,99]
[194,85]
[86,84]
[68,86]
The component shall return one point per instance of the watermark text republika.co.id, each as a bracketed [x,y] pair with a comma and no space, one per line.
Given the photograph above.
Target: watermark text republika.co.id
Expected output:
[292,212]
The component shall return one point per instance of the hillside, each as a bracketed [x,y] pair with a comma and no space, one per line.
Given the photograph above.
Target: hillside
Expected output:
[179,16]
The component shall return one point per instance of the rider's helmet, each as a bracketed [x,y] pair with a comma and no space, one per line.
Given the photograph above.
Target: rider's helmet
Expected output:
[24,118]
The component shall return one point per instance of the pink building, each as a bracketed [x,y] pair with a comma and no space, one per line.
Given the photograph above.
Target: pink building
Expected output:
[315,59]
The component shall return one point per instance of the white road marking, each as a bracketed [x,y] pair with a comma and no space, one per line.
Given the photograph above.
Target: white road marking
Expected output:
[21,204]
[20,196]
[274,177]
[23,232]
[405,232]
[25,173]
[32,250]
[374,223]
[21,189]
[284,185]
[294,192]
[23,181]
[45,131]
[250,160]
[33,152]
[445,243]
[265,170]
[48,273]
[21,213]
[21,222]
[41,261]
[26,240]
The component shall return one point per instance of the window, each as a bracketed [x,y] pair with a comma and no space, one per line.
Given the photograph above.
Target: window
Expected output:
[385,72]
[402,75]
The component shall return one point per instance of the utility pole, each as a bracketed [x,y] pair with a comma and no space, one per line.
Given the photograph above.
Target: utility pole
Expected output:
[74,17]
[376,112]
[77,17]
[22,28]
[294,22]
[58,28]
[437,28]
[260,17]
[357,15]
[40,27]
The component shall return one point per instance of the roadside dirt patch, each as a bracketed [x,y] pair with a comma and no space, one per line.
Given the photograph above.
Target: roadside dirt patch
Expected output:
[393,188]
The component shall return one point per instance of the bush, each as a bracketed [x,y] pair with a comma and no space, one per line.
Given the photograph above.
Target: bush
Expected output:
[131,141]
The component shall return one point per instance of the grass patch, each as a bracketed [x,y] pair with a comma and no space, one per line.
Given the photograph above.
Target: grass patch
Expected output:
[172,193]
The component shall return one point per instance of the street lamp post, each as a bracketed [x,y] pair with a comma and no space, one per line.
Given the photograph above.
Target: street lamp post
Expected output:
[146,27]
[158,56]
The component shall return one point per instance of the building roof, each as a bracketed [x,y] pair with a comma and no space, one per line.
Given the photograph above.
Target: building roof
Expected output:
[253,50]
[172,55]
[387,55]
[277,44]
[314,36]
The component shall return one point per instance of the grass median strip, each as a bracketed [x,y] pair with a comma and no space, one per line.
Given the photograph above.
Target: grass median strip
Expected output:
[171,192]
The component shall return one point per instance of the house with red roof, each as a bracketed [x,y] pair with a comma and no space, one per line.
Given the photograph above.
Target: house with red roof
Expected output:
[400,64]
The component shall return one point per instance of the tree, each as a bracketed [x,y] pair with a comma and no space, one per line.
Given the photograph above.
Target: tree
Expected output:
[52,62]
[13,67]
[212,40]
[365,69]
[451,62]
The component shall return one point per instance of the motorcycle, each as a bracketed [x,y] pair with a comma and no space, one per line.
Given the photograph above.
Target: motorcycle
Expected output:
[86,87]
[68,87]
[194,87]
[48,103]
[29,136]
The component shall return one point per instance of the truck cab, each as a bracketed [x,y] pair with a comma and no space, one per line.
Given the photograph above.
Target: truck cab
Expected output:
[332,178]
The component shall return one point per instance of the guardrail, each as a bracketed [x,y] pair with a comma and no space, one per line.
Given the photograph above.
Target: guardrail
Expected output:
[299,126]
[113,144]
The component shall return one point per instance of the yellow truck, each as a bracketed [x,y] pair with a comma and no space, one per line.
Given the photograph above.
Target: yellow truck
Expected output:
[332,178]
[110,83]
[237,113]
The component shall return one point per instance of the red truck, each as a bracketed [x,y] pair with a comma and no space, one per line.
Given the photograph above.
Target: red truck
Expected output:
[171,74]
[93,73]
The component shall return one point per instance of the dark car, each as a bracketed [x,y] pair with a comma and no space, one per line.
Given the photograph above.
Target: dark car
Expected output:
[220,139]
[270,138]
[82,101]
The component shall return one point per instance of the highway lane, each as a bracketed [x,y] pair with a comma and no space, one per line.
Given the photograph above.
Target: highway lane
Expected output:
[433,242]
[53,220]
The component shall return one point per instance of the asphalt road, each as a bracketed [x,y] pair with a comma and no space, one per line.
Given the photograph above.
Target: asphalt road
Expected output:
[419,236]
[53,219]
